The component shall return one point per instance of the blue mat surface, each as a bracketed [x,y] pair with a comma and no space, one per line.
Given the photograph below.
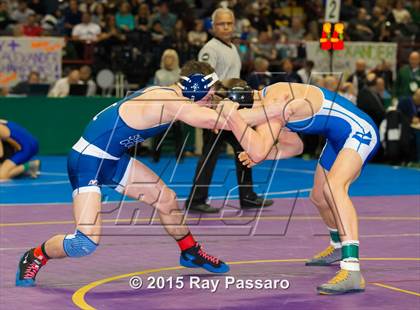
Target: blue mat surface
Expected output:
[290,175]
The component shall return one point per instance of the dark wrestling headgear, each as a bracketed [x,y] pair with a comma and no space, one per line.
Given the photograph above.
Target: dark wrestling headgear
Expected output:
[244,95]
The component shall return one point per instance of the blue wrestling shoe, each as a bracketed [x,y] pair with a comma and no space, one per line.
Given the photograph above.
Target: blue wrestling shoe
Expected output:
[28,268]
[196,257]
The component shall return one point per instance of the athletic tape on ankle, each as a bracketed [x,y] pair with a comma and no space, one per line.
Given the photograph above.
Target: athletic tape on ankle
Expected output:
[350,251]
[350,265]
[336,245]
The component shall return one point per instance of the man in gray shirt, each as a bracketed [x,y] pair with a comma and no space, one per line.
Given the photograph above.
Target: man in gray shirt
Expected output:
[222,55]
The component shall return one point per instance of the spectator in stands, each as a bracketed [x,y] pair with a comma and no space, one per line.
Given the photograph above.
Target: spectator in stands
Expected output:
[86,78]
[21,14]
[385,5]
[264,47]
[306,71]
[22,88]
[400,14]
[247,33]
[197,37]
[157,32]
[293,9]
[259,18]
[112,34]
[296,31]
[61,88]
[169,70]
[360,29]
[125,20]
[112,6]
[377,22]
[347,91]
[383,70]
[383,93]
[86,31]
[410,107]
[37,6]
[31,27]
[12,5]
[53,24]
[317,80]
[408,78]
[86,6]
[166,18]
[280,20]
[369,101]
[287,72]
[245,52]
[5,19]
[260,77]
[358,77]
[72,17]
[313,32]
[143,18]
[331,83]
[99,16]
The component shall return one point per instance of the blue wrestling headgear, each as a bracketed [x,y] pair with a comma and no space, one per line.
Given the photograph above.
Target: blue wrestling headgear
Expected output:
[197,85]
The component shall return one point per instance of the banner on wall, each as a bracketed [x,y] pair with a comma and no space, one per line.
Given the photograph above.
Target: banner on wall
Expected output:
[344,60]
[19,56]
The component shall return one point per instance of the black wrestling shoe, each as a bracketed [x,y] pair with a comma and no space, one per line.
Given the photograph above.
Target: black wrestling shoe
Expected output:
[28,268]
[196,257]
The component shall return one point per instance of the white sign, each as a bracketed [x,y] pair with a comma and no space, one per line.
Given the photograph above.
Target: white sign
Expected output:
[332,11]
[21,55]
[344,60]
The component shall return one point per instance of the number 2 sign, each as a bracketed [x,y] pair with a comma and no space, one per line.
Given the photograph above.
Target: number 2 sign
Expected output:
[332,11]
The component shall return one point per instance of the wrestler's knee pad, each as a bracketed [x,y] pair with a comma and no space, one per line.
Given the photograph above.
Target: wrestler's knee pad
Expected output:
[78,245]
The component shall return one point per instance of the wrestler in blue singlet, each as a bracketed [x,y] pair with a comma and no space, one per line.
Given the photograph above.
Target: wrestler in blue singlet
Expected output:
[343,125]
[99,157]
[23,142]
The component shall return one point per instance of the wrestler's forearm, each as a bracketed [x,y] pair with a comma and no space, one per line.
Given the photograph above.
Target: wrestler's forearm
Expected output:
[251,141]
[289,145]
[283,151]
[257,116]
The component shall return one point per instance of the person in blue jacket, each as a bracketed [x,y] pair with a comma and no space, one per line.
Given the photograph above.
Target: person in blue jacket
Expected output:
[17,148]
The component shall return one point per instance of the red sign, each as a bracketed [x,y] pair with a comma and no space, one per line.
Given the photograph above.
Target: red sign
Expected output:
[334,41]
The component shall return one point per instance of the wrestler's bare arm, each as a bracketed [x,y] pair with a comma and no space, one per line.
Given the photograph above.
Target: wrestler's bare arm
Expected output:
[197,116]
[257,143]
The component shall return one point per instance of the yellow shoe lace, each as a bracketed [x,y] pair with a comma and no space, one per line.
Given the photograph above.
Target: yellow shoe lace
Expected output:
[328,251]
[339,277]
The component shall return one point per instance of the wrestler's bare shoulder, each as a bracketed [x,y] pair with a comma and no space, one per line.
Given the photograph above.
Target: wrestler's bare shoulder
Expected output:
[149,109]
